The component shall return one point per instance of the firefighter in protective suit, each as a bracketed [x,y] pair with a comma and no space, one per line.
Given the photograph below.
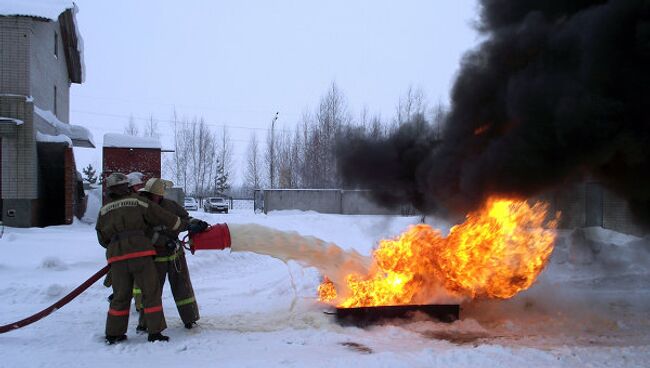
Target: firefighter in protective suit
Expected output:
[135,184]
[121,228]
[170,258]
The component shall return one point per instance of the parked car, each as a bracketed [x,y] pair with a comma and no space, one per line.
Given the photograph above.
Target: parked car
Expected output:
[218,204]
[191,204]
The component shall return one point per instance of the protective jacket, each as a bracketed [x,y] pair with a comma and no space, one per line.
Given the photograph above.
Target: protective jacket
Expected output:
[171,264]
[164,237]
[123,225]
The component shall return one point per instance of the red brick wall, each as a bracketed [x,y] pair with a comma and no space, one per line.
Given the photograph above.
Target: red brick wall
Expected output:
[70,181]
[126,160]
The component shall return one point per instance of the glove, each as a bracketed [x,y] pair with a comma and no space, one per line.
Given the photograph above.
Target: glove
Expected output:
[171,245]
[197,227]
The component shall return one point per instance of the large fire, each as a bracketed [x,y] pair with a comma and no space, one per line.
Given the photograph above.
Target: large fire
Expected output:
[497,252]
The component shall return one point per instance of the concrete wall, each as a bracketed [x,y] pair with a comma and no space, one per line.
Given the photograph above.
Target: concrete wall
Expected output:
[324,201]
[582,204]
[336,201]
[589,204]
[48,70]
[175,194]
[617,215]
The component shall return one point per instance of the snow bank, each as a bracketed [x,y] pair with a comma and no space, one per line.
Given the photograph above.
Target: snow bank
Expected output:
[48,9]
[129,141]
[93,205]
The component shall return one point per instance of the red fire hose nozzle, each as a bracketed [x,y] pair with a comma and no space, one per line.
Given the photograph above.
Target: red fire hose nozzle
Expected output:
[214,237]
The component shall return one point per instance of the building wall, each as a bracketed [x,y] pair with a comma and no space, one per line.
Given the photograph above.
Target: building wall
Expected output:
[19,163]
[28,67]
[48,70]
[127,160]
[15,36]
[70,185]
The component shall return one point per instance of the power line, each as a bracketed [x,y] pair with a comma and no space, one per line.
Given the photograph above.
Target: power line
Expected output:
[198,107]
[171,121]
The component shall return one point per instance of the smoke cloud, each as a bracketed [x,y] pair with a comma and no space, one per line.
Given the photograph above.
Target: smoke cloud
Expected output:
[558,90]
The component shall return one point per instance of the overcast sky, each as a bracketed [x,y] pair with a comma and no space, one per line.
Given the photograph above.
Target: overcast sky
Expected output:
[238,62]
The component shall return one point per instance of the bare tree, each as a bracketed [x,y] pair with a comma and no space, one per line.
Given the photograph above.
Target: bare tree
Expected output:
[311,146]
[151,128]
[331,116]
[131,127]
[297,161]
[179,163]
[202,155]
[252,176]
[287,173]
[438,116]
[376,129]
[411,104]
[271,154]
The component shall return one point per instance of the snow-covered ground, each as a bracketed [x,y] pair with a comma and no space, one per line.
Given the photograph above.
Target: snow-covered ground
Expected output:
[590,307]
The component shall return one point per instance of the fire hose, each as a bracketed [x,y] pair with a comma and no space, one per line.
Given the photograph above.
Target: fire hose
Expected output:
[214,237]
[60,303]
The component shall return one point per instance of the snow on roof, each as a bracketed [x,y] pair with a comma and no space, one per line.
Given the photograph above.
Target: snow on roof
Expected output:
[129,141]
[59,138]
[47,9]
[6,120]
[74,132]
[80,44]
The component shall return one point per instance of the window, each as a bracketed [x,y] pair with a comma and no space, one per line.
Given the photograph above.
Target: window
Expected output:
[56,45]
[55,109]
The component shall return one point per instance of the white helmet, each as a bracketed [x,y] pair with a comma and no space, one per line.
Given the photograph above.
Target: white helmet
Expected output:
[135,178]
[116,179]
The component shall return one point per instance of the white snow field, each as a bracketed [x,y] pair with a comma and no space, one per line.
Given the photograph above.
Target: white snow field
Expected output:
[589,308]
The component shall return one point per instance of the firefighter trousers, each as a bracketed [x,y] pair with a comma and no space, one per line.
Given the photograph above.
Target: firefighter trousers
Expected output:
[175,269]
[124,273]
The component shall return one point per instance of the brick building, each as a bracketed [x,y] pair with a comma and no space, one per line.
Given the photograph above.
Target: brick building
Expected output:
[125,154]
[40,57]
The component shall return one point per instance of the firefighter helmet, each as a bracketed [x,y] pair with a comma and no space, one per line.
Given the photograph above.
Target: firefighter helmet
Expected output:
[135,178]
[156,186]
[116,179]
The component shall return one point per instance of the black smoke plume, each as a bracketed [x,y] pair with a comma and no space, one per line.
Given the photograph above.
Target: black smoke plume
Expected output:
[558,90]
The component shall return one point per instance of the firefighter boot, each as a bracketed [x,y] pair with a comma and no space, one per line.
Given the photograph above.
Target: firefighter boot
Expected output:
[110,340]
[157,337]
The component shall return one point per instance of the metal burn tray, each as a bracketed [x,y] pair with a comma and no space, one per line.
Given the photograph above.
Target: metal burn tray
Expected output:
[364,316]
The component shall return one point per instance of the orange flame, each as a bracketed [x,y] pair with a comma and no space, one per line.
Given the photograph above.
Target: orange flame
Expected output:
[497,252]
[482,129]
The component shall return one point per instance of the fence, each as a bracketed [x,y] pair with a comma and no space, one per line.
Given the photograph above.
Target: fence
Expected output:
[335,201]
[582,204]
